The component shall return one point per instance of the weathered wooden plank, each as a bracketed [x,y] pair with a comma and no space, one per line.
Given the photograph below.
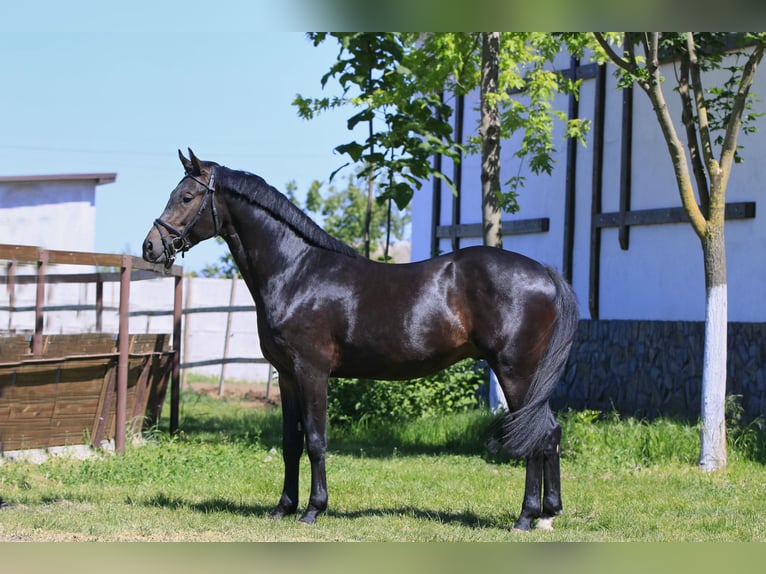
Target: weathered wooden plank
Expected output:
[158,389]
[78,344]
[31,253]
[106,398]
[19,252]
[47,401]
[76,406]
[41,409]
[42,434]
[149,343]
[14,348]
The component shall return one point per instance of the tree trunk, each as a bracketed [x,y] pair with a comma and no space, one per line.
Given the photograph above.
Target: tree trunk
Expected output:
[713,433]
[368,213]
[489,131]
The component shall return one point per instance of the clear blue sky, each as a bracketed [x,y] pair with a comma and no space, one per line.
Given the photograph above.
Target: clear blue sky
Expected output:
[92,86]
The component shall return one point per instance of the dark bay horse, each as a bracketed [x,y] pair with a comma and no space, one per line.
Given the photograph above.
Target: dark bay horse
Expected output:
[323,310]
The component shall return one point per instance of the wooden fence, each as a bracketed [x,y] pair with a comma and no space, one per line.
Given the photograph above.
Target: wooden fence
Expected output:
[60,386]
[67,394]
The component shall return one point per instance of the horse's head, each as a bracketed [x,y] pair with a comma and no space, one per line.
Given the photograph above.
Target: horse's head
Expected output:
[190,215]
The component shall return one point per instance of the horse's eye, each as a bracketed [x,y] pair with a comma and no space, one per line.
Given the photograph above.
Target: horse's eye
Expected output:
[187,197]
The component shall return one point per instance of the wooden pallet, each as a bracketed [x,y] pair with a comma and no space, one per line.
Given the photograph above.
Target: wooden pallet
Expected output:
[67,395]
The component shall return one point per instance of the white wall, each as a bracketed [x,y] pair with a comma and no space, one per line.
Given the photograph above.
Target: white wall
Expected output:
[661,276]
[206,332]
[44,214]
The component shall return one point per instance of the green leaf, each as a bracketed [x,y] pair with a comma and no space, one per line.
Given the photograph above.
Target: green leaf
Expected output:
[353,149]
[363,116]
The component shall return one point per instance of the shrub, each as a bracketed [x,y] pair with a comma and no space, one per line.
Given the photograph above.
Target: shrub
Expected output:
[455,389]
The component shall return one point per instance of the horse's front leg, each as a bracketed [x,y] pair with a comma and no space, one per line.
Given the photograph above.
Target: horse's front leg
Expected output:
[292,448]
[315,420]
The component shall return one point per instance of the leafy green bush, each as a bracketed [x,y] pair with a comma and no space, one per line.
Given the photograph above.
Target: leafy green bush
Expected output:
[450,391]
[746,439]
[607,440]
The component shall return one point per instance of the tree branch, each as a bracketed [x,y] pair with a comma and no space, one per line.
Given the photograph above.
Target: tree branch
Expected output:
[729,146]
[651,43]
[653,89]
[615,58]
[699,101]
[687,117]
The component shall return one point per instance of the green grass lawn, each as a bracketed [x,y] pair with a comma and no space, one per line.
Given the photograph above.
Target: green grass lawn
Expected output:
[429,480]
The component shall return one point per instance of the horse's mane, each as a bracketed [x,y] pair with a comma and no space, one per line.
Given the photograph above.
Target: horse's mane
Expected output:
[256,191]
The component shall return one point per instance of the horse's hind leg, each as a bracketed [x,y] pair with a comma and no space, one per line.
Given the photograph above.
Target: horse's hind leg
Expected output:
[543,473]
[552,475]
[531,508]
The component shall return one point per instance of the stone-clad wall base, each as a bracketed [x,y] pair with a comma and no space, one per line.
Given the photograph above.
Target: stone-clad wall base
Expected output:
[654,368]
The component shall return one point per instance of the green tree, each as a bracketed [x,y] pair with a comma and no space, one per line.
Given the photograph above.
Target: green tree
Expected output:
[343,214]
[712,120]
[400,84]
[402,132]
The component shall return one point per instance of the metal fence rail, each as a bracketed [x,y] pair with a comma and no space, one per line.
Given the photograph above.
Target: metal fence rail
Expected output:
[99,308]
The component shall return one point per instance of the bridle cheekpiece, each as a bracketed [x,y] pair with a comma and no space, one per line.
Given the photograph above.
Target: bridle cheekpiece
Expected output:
[177,241]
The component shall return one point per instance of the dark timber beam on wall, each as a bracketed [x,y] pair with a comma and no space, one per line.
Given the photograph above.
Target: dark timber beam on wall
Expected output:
[626,152]
[457,176]
[594,275]
[514,227]
[436,206]
[570,193]
[666,216]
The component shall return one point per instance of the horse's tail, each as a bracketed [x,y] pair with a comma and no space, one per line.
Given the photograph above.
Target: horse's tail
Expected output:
[523,432]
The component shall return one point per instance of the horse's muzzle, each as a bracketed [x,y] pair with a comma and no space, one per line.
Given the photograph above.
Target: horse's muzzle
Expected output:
[154,250]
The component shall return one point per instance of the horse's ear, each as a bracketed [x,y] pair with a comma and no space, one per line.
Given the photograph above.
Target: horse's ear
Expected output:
[188,167]
[195,162]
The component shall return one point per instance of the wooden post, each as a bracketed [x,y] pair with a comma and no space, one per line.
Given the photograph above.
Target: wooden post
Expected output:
[123,349]
[99,304]
[42,268]
[186,325]
[11,292]
[175,383]
[232,292]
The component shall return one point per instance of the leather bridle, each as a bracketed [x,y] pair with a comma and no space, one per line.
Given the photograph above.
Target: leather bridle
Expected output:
[177,241]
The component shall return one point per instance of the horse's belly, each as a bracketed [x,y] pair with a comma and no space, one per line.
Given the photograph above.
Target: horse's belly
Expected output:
[388,364]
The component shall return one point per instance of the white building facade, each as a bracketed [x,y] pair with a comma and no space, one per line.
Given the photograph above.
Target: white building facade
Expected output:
[656,273]
[609,218]
[51,211]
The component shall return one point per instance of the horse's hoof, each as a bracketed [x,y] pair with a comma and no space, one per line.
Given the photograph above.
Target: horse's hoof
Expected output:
[280,512]
[522,525]
[309,518]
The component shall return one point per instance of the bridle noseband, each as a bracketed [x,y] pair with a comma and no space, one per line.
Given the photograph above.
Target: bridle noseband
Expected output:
[177,241]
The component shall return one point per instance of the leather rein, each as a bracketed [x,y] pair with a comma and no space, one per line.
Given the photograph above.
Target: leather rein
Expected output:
[177,241]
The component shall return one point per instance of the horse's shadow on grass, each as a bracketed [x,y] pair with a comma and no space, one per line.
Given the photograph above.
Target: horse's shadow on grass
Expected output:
[465,519]
[162,500]
[267,430]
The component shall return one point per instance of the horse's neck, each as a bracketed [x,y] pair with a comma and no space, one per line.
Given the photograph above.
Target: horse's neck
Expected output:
[261,247]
